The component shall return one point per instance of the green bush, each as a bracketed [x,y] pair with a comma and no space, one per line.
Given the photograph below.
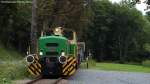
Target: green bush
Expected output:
[12,66]
[146,63]
[10,71]
[91,63]
[9,55]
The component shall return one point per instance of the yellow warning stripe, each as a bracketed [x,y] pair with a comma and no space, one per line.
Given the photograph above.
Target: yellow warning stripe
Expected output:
[70,58]
[33,71]
[37,73]
[69,65]
[70,68]
[72,72]
[36,58]
[30,71]
[39,70]
[65,64]
[32,67]
[36,68]
[66,73]
[39,65]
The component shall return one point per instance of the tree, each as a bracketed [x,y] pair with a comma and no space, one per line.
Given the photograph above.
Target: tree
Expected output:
[15,25]
[33,34]
[65,13]
[116,33]
[148,15]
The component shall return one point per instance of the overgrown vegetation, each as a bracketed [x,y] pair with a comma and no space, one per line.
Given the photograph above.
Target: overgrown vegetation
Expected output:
[12,71]
[146,63]
[117,33]
[9,54]
[88,64]
[12,66]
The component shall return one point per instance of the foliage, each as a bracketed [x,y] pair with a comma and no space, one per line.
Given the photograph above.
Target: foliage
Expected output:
[116,33]
[129,3]
[9,55]
[12,71]
[65,13]
[148,15]
[146,63]
[12,66]
[15,25]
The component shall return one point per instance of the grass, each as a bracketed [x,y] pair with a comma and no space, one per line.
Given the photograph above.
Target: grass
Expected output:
[12,66]
[116,67]
[12,71]
[122,67]
[9,55]
[146,63]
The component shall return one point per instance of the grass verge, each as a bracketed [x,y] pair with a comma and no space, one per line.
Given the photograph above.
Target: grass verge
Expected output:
[12,71]
[12,66]
[9,55]
[116,67]
[122,67]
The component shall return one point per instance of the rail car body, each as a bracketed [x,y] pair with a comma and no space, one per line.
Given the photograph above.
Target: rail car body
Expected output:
[57,55]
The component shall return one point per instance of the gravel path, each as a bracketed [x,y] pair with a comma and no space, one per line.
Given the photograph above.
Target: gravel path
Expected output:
[84,76]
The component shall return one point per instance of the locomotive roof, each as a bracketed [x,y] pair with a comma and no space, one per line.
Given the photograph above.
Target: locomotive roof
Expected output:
[53,36]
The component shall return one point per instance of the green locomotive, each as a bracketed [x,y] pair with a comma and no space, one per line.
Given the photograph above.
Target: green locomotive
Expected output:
[57,54]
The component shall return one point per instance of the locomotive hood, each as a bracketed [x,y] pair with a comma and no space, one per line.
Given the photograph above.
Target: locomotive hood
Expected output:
[51,46]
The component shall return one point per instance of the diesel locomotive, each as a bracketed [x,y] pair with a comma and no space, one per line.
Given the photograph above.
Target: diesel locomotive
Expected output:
[57,54]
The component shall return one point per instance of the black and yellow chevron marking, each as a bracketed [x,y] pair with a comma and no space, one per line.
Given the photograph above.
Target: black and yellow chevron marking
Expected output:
[35,68]
[69,67]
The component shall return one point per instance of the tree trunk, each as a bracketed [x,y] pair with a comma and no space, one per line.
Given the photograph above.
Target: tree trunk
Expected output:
[45,24]
[120,49]
[33,35]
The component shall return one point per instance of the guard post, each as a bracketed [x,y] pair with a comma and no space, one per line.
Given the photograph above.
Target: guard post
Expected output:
[87,65]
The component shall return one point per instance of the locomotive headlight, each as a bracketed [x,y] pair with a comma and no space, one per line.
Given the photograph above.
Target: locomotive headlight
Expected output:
[30,58]
[62,59]
[41,53]
[62,53]
[57,30]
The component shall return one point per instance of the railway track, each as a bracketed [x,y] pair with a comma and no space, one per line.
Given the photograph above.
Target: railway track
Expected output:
[40,80]
[58,80]
[35,80]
